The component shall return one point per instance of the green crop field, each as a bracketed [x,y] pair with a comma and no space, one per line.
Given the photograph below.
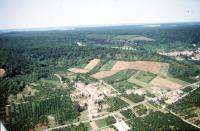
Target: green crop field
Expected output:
[105,122]
[122,86]
[137,82]
[120,76]
[108,66]
[145,76]
[135,97]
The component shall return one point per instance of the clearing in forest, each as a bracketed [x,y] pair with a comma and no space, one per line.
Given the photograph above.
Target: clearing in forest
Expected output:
[87,68]
[133,38]
[161,82]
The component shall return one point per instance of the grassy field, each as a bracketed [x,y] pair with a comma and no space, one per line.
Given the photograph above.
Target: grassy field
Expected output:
[83,115]
[134,97]
[137,82]
[115,103]
[108,66]
[105,122]
[85,78]
[145,76]
[98,66]
[122,86]
[177,81]
[133,38]
[88,126]
[120,76]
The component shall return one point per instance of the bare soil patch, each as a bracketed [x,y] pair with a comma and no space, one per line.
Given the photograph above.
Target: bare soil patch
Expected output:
[87,68]
[148,66]
[92,64]
[161,82]
[2,72]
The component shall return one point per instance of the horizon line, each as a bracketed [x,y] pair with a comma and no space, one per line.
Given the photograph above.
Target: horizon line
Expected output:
[92,25]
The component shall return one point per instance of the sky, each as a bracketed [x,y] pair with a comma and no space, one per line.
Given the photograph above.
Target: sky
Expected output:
[19,14]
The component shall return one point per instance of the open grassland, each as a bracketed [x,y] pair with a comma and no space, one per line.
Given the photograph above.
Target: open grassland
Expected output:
[161,82]
[137,82]
[120,76]
[145,76]
[105,122]
[135,97]
[181,82]
[83,115]
[122,86]
[133,38]
[108,66]
[147,66]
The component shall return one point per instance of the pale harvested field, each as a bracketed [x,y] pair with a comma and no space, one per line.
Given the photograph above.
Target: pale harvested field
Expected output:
[161,82]
[141,38]
[78,70]
[92,64]
[148,66]
[103,74]
[87,68]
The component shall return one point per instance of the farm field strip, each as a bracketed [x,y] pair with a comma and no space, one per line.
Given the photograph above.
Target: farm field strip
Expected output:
[148,66]
[161,82]
[108,65]
[103,74]
[87,68]
[112,67]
